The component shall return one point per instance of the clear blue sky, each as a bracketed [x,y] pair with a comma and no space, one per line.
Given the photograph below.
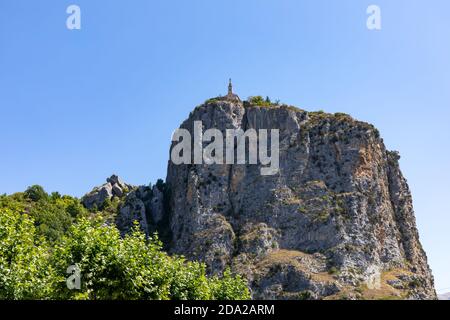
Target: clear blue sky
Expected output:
[77,106]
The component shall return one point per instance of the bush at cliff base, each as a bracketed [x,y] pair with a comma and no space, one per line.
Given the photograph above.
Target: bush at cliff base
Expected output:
[111,266]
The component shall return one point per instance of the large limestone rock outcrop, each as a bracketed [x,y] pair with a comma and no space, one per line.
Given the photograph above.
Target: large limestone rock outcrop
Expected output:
[336,222]
[114,187]
[141,204]
[145,205]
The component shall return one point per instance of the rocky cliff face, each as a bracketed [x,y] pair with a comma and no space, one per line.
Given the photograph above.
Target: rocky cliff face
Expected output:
[336,222]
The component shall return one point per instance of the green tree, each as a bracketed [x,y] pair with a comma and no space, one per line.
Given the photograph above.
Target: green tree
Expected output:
[41,236]
[25,272]
[36,193]
[260,101]
[52,220]
[134,267]
[229,287]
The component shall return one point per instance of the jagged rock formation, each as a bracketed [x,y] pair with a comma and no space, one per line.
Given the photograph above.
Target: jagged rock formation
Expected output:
[114,187]
[143,204]
[336,222]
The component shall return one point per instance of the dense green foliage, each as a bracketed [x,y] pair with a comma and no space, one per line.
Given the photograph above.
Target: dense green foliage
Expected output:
[51,214]
[24,269]
[42,235]
[260,101]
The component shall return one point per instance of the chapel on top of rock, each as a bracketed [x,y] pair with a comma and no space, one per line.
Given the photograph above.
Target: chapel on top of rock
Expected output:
[231,95]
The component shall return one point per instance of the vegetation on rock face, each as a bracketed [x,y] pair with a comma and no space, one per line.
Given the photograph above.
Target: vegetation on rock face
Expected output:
[42,235]
[260,101]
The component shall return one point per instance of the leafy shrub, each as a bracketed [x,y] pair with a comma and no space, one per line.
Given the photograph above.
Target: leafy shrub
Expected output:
[229,287]
[112,267]
[36,193]
[135,268]
[260,101]
[333,270]
[52,220]
[25,272]
[305,295]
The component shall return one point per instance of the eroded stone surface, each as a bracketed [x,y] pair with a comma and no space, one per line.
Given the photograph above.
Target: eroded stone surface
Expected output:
[339,194]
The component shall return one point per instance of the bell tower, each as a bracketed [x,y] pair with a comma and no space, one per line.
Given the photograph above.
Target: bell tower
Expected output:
[230,89]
